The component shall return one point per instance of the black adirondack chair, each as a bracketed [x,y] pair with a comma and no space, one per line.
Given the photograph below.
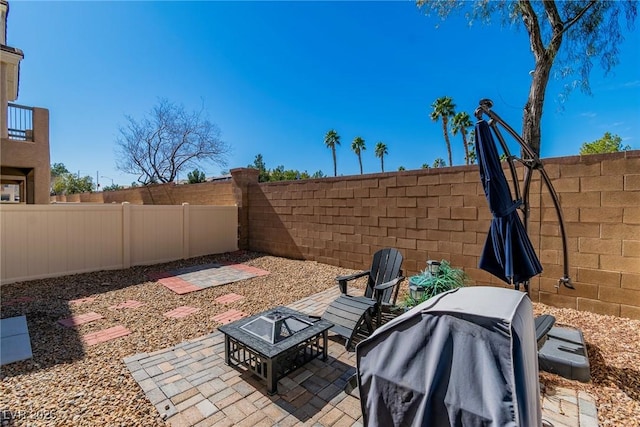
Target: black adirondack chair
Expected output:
[349,313]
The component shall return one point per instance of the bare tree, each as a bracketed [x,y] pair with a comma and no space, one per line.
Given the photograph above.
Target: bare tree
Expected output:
[167,141]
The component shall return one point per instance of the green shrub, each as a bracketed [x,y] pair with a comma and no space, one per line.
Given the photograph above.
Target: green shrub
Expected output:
[446,279]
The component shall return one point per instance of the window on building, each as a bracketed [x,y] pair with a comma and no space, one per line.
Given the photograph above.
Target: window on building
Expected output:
[11,192]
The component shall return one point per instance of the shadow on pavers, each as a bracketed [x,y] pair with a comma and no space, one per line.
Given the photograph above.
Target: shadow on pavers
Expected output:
[306,391]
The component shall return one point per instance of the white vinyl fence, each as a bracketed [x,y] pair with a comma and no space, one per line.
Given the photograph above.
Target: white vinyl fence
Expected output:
[39,241]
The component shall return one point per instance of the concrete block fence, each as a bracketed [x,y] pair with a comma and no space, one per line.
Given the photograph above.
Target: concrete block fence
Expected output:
[443,214]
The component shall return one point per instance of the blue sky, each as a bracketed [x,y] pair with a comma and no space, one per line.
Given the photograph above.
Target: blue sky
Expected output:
[276,76]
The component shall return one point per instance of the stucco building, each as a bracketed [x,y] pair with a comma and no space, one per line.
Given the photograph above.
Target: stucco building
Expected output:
[24,150]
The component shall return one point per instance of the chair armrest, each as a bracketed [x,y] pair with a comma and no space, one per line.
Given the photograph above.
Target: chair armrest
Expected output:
[387,285]
[342,280]
[353,276]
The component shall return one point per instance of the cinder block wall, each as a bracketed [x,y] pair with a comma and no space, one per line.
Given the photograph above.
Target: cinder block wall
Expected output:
[206,193]
[443,214]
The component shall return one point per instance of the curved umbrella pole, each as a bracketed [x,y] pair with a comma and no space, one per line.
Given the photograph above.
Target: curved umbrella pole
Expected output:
[531,162]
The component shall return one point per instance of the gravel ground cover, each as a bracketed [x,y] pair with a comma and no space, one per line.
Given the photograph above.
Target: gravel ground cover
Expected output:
[70,384]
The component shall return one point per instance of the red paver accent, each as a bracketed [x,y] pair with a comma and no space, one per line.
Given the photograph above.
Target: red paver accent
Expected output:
[18,300]
[82,300]
[178,285]
[79,319]
[229,316]
[181,312]
[250,269]
[228,298]
[105,335]
[127,304]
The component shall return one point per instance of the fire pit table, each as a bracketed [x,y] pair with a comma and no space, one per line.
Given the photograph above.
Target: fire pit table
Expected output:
[274,343]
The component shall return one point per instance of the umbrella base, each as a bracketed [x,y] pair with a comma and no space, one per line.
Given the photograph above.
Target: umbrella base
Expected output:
[565,354]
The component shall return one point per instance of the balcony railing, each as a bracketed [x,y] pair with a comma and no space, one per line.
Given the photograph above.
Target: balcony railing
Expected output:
[20,122]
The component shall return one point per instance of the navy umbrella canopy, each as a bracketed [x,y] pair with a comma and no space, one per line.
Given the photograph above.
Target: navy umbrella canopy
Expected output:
[508,253]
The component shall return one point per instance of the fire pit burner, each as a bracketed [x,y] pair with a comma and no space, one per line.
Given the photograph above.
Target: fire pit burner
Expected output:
[275,326]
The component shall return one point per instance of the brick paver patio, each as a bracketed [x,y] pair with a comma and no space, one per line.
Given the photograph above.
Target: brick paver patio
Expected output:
[190,385]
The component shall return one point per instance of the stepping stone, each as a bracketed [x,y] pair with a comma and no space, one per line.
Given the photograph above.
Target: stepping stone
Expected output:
[228,298]
[229,316]
[80,319]
[105,335]
[82,300]
[15,344]
[127,304]
[19,300]
[181,312]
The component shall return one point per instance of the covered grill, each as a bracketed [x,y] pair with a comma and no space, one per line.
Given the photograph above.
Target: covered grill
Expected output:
[458,359]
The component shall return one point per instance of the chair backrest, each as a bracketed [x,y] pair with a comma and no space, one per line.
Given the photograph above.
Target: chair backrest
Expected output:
[386,266]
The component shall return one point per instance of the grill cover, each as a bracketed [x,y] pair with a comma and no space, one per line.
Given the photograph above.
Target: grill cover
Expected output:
[467,357]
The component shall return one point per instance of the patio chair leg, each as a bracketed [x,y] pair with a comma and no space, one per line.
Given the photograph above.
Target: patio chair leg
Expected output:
[351,387]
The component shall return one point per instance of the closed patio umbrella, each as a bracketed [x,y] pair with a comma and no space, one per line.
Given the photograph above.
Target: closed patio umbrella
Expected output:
[508,253]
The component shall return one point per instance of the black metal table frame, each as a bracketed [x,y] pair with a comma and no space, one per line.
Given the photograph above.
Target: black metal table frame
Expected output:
[289,355]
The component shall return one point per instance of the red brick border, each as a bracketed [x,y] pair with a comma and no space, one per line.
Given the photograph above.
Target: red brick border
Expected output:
[178,285]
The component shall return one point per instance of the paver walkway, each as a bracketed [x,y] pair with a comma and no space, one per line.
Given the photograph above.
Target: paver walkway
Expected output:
[199,277]
[190,385]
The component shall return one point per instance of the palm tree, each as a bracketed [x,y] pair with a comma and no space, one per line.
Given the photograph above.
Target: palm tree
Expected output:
[473,157]
[381,150]
[444,108]
[460,123]
[358,147]
[331,139]
[439,163]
